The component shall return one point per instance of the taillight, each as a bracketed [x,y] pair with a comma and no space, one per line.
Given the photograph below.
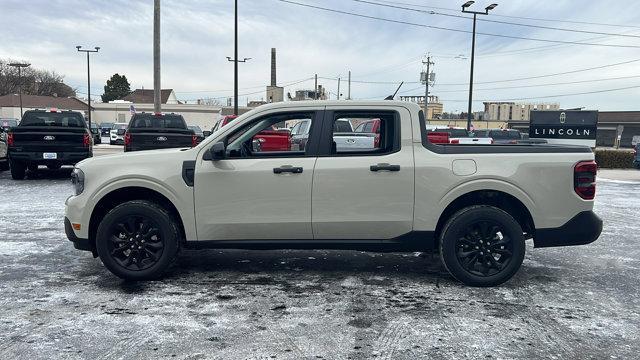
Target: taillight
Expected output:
[194,140]
[10,139]
[86,140]
[376,141]
[127,138]
[455,141]
[584,179]
[438,137]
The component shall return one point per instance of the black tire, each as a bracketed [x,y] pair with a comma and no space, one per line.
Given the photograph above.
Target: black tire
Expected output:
[467,252]
[111,142]
[17,170]
[4,166]
[145,227]
[32,168]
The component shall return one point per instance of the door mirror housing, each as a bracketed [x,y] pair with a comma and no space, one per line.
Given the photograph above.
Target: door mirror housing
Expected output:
[218,151]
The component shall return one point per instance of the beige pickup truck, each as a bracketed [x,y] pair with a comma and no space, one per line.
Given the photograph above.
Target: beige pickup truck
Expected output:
[475,205]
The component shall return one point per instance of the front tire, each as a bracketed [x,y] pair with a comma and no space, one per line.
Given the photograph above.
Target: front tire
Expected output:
[482,246]
[17,170]
[137,240]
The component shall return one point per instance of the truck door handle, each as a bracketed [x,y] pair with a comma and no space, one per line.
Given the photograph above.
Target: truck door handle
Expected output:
[384,167]
[287,169]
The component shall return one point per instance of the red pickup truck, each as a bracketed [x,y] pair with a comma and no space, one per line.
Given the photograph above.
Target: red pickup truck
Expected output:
[265,140]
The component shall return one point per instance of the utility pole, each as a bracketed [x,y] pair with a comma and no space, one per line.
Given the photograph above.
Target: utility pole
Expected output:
[349,87]
[88,51]
[157,98]
[315,88]
[235,62]
[473,51]
[20,66]
[427,76]
[338,88]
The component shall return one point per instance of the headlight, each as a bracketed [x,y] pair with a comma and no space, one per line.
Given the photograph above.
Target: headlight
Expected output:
[77,179]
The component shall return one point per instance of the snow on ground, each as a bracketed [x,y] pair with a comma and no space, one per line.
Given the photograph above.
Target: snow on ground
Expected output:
[57,302]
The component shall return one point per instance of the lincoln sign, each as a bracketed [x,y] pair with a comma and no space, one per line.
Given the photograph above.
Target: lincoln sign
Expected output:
[572,127]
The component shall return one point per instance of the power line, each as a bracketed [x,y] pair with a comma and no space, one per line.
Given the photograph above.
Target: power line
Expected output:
[454,30]
[530,98]
[247,94]
[496,21]
[521,17]
[499,81]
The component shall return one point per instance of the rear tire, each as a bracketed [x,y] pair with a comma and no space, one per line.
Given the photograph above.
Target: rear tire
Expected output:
[111,142]
[4,166]
[32,168]
[482,246]
[137,240]
[17,170]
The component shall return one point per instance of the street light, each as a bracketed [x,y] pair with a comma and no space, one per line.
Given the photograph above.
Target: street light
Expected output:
[465,6]
[20,66]
[88,51]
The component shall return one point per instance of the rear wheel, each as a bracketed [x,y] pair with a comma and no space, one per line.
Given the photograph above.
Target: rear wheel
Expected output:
[32,167]
[17,170]
[4,166]
[482,246]
[137,240]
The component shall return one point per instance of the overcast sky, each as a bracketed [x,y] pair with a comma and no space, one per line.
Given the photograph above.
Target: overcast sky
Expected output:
[197,35]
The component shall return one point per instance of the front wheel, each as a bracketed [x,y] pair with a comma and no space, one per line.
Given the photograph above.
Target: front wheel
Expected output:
[482,246]
[137,240]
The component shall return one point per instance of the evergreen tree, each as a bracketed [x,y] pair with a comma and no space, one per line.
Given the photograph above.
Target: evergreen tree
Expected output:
[117,87]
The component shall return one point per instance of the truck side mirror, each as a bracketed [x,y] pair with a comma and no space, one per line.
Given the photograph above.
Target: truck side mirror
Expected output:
[206,133]
[218,151]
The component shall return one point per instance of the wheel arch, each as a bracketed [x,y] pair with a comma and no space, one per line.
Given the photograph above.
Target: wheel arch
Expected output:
[128,193]
[497,198]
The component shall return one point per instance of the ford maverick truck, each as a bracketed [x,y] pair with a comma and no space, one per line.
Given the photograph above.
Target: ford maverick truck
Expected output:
[475,205]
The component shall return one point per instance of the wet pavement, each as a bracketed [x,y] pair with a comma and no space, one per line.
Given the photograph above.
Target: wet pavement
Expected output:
[57,302]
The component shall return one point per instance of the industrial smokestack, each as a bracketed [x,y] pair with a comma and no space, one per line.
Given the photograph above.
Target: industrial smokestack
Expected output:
[273,67]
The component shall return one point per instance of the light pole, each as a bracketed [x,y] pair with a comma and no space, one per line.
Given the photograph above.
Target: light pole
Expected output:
[465,6]
[235,63]
[88,51]
[20,66]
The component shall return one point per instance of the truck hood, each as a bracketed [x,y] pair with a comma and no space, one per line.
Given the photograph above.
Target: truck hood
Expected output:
[139,161]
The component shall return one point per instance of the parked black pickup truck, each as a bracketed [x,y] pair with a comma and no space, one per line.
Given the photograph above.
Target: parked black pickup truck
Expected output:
[148,131]
[48,137]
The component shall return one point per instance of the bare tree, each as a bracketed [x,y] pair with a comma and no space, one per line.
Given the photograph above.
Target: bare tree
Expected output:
[34,81]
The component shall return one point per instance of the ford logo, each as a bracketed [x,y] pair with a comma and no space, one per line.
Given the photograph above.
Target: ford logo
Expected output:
[161,138]
[49,137]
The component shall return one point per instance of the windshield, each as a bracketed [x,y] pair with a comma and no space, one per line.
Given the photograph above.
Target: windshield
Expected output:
[66,119]
[158,121]
[505,135]
[119,126]
[454,133]
[5,123]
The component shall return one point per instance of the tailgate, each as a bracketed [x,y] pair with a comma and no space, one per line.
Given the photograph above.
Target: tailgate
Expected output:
[149,139]
[354,141]
[48,139]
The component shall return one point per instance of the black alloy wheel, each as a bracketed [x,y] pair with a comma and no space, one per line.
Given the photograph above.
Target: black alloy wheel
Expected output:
[482,246]
[137,240]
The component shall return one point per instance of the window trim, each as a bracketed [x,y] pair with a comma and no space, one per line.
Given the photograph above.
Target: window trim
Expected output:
[326,139]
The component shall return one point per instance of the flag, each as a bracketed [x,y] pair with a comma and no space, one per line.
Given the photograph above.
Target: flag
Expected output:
[132,110]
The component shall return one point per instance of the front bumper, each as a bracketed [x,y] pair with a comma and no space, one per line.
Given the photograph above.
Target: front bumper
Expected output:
[64,158]
[78,243]
[582,229]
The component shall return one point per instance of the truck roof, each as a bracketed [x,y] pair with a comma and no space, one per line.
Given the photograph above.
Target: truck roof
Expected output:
[359,103]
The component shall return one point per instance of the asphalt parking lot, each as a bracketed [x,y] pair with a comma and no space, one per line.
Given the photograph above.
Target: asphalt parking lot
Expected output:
[566,303]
